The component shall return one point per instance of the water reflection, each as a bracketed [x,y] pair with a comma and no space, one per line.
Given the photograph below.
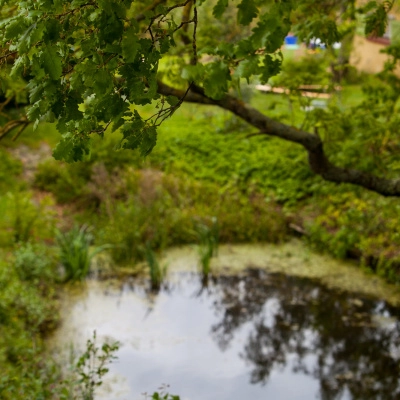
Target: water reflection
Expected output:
[350,345]
[253,335]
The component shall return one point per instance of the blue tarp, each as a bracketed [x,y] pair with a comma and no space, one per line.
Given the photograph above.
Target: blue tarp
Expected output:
[290,40]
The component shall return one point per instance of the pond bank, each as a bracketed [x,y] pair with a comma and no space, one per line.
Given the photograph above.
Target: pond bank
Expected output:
[293,258]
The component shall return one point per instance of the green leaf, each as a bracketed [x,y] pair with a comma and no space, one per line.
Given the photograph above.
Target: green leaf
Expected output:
[131,132]
[247,11]
[132,142]
[376,22]
[52,62]
[149,140]
[166,43]
[225,50]
[216,80]
[71,148]
[130,45]
[220,7]
[172,100]
[64,150]
[52,32]
[248,68]
[105,5]
[244,48]
[33,112]
[15,28]
[18,67]
[102,82]
[272,67]
[193,72]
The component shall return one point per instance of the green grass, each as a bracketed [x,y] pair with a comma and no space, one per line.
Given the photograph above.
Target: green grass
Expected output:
[208,236]
[204,143]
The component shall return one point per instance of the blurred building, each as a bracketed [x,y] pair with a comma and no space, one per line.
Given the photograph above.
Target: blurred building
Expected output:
[367,55]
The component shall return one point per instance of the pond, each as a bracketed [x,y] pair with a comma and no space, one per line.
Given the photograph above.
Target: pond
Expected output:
[247,333]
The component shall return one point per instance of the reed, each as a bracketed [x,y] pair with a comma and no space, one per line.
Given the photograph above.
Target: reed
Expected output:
[75,252]
[157,271]
[208,236]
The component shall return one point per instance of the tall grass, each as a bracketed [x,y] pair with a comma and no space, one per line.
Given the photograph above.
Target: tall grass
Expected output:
[208,243]
[157,271]
[173,211]
[25,216]
[75,253]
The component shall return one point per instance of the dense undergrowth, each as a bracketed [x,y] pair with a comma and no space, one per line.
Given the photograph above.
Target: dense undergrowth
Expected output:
[31,272]
[255,186]
[28,308]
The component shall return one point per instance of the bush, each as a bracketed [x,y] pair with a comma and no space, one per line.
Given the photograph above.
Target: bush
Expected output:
[10,169]
[28,311]
[364,226]
[309,70]
[33,263]
[23,218]
[65,182]
[88,372]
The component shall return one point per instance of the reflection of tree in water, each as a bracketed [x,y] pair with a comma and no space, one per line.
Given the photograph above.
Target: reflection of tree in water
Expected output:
[330,334]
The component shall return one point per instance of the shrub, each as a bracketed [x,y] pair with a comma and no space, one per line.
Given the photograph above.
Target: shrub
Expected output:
[23,218]
[10,169]
[32,263]
[88,372]
[27,312]
[65,182]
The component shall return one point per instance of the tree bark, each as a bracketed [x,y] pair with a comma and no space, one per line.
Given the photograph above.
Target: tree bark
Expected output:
[318,161]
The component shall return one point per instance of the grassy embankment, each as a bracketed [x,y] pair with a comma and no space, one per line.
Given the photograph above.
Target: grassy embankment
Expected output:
[30,279]
[28,307]
[208,164]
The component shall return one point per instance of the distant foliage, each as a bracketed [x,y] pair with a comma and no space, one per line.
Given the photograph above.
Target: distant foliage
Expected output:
[33,263]
[360,226]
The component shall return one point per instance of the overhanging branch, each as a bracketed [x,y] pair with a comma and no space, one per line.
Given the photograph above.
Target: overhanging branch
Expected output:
[11,125]
[313,144]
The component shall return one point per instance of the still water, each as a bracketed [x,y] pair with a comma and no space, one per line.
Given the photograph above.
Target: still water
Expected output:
[251,334]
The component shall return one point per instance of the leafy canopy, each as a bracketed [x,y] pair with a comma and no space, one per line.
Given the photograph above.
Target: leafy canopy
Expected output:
[91,65]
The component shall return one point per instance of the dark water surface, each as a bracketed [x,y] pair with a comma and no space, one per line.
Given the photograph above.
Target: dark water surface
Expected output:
[254,335]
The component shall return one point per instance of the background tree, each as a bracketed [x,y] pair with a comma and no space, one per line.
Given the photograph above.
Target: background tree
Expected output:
[91,65]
